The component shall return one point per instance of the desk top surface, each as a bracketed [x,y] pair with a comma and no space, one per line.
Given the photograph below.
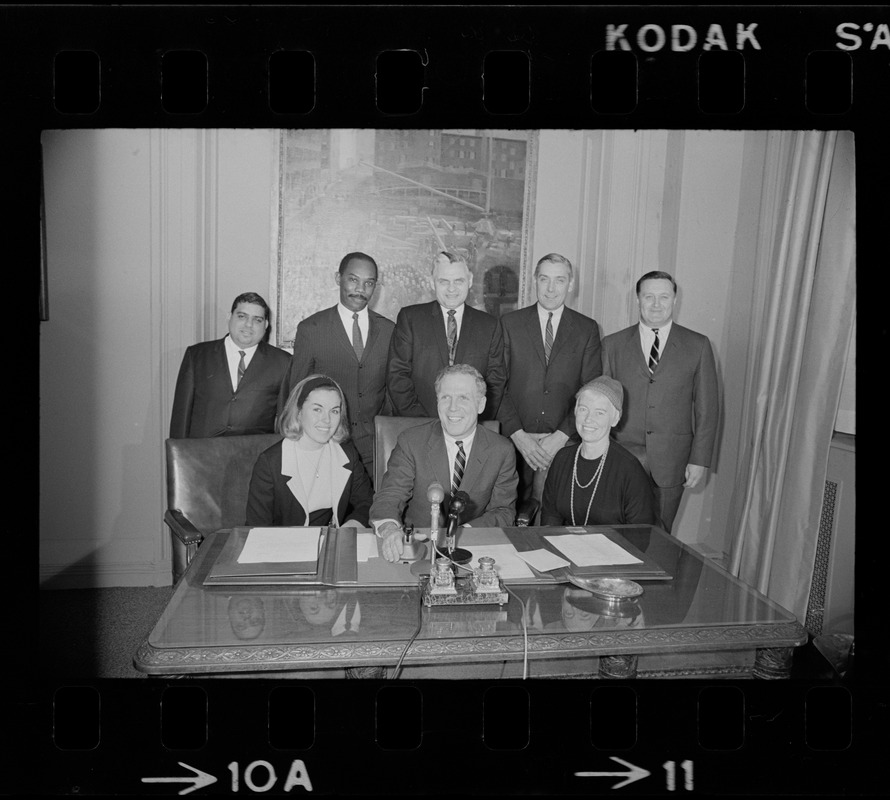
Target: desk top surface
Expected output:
[232,628]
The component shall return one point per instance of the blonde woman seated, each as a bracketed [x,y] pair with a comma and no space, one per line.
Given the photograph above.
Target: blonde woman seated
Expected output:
[313,476]
[597,482]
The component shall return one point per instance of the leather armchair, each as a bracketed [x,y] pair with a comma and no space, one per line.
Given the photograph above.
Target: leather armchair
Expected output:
[386,432]
[207,484]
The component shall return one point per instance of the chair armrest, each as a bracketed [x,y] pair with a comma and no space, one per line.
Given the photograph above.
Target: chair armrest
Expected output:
[526,511]
[182,528]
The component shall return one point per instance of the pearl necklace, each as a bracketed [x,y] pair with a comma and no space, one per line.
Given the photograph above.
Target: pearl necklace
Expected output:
[596,477]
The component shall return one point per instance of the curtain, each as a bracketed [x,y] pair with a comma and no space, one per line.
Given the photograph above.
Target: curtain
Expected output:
[804,311]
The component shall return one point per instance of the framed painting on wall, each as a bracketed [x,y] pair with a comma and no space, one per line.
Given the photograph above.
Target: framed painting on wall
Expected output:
[401,196]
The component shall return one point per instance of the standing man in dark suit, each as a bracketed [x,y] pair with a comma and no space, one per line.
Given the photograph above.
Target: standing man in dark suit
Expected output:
[348,343]
[431,336]
[670,385]
[456,452]
[550,352]
[230,386]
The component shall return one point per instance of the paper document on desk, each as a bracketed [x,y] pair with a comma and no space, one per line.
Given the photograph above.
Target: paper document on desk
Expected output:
[592,550]
[506,560]
[365,546]
[277,545]
[543,560]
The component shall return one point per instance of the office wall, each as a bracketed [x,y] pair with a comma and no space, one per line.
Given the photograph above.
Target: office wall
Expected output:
[150,234]
[621,203]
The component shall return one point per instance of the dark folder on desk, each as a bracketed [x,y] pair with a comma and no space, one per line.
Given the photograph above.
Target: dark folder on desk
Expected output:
[337,565]
[646,569]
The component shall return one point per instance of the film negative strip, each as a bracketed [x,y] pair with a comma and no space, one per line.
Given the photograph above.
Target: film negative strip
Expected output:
[770,713]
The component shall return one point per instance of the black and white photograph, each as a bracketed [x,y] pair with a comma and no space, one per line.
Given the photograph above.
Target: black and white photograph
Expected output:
[247,333]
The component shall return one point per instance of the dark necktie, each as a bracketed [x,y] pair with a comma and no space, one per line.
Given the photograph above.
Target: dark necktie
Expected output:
[452,336]
[653,353]
[357,343]
[241,367]
[460,462]
[548,337]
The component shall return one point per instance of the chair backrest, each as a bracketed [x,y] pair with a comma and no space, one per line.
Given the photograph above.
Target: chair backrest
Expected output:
[208,479]
[386,432]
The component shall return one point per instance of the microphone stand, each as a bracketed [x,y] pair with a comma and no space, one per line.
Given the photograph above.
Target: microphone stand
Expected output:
[456,554]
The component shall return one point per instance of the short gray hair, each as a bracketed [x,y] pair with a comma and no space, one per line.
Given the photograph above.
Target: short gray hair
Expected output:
[555,258]
[462,369]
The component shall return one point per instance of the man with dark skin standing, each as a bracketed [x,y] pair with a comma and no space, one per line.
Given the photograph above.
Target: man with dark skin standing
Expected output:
[671,398]
[348,343]
[230,386]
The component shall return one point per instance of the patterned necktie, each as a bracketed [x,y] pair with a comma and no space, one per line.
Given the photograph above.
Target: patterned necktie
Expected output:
[548,337]
[653,353]
[241,367]
[357,343]
[452,336]
[460,462]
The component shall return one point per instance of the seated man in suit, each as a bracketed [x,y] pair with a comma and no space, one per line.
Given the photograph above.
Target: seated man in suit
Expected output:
[457,453]
[430,336]
[229,386]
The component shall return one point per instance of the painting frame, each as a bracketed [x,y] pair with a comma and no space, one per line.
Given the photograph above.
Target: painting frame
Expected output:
[313,195]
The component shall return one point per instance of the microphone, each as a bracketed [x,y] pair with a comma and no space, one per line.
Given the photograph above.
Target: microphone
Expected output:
[435,493]
[459,501]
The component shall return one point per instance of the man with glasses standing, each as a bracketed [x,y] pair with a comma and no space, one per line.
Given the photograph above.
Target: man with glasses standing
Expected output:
[229,386]
[348,343]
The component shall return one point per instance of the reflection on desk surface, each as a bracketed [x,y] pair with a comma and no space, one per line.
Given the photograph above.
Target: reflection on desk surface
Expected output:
[700,594]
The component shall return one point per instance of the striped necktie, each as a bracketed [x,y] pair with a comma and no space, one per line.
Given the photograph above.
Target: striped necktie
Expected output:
[241,367]
[357,343]
[460,461]
[451,331]
[653,353]
[548,337]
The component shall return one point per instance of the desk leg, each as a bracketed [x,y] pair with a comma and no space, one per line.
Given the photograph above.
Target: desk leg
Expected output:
[375,673]
[773,663]
[618,666]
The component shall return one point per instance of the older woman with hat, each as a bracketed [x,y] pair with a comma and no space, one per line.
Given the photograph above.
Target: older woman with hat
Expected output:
[597,482]
[313,476]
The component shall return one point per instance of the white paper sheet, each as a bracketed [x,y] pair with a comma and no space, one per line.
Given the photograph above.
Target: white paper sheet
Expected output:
[592,550]
[506,561]
[280,545]
[543,560]
[365,546]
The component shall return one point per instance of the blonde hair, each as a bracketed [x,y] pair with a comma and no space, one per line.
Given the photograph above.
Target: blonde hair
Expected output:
[288,424]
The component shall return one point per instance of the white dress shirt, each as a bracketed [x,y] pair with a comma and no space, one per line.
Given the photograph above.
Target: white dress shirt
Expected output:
[346,319]
[233,356]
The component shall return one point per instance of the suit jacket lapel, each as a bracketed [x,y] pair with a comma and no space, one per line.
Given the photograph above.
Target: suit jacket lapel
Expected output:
[339,477]
[478,457]
[438,458]
[532,328]
[439,336]
[290,471]
[222,366]
[640,360]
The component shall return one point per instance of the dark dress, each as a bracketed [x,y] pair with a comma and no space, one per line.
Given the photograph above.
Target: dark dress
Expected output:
[624,495]
[271,502]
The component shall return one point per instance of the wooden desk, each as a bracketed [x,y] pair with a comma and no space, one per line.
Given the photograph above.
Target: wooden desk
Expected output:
[702,623]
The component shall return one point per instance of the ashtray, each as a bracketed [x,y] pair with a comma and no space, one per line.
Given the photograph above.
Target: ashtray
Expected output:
[610,588]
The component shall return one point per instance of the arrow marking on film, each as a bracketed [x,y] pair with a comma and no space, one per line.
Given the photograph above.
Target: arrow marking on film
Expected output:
[199,779]
[636,773]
